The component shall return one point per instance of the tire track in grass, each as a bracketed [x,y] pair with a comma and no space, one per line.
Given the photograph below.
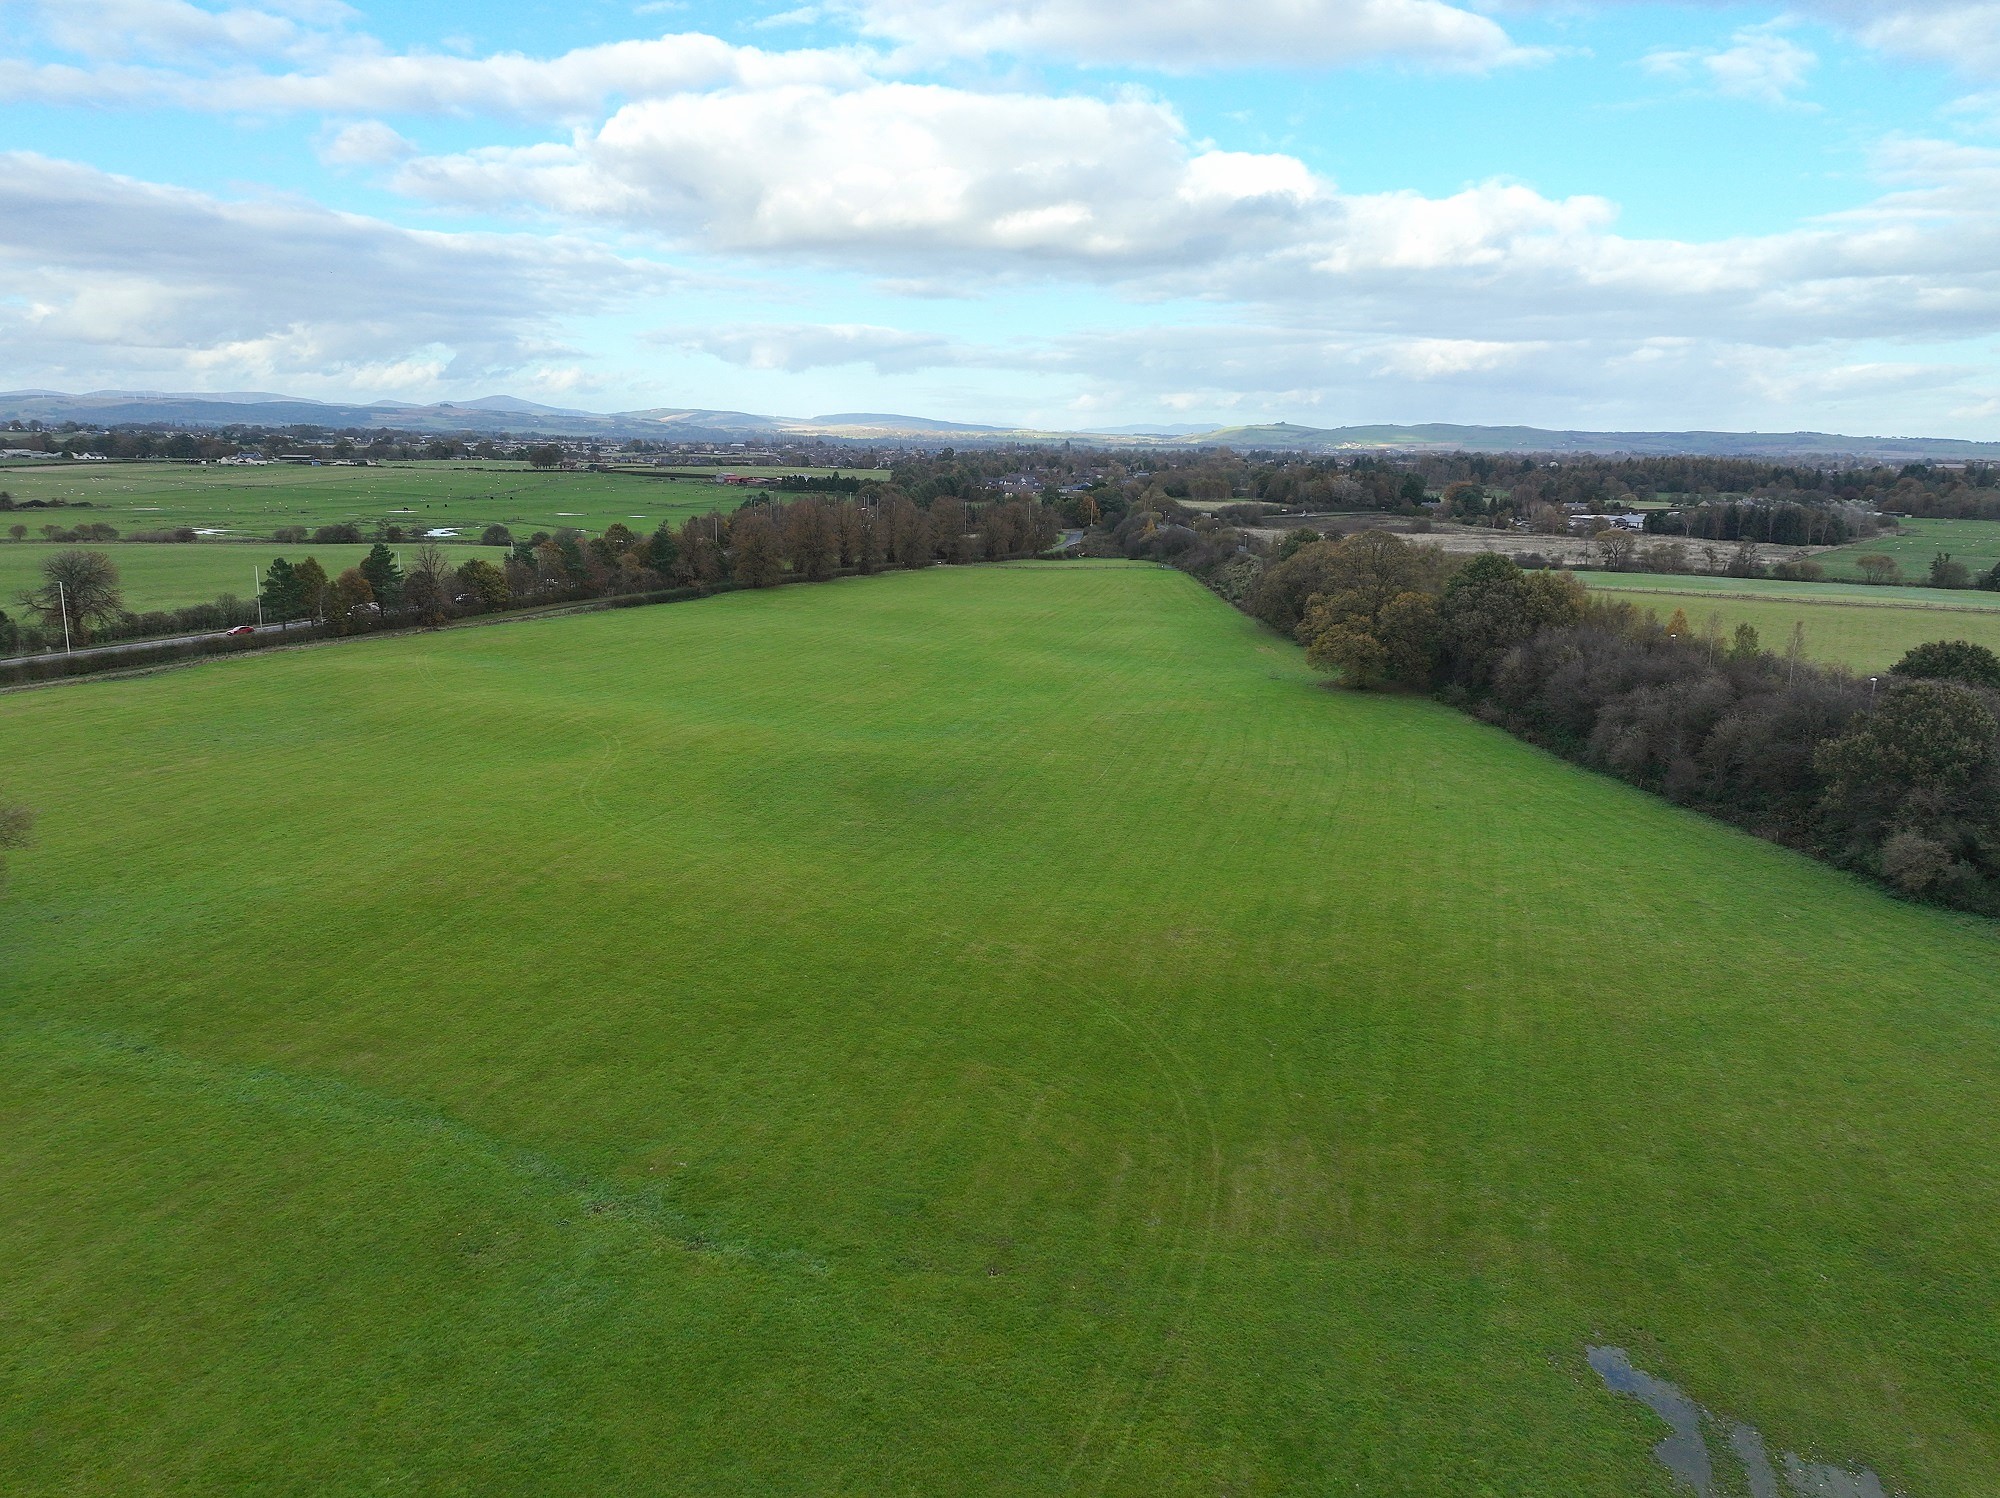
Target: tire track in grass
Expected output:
[1200,1198]
[580,1195]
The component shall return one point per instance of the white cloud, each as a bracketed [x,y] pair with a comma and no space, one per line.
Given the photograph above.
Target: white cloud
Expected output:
[1442,358]
[794,347]
[157,29]
[364,143]
[927,187]
[1961,34]
[1196,35]
[895,176]
[1762,64]
[1964,36]
[364,79]
[105,273]
[1246,372]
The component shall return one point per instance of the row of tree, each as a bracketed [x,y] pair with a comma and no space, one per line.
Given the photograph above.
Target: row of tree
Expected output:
[1898,779]
[763,543]
[766,541]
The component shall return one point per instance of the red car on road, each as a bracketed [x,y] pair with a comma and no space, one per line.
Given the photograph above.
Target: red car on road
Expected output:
[242,629]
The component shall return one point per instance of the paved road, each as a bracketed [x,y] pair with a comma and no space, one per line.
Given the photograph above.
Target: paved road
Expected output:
[125,647]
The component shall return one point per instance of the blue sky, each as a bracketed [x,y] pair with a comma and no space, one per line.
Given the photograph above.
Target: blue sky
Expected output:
[1063,213]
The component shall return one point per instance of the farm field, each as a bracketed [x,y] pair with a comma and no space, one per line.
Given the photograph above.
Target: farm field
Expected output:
[255,501]
[173,576]
[1861,636]
[997,1030]
[1973,542]
[1698,585]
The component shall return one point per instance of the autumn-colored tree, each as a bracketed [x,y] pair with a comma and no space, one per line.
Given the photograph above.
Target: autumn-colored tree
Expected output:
[1398,644]
[481,580]
[754,551]
[951,526]
[1678,625]
[1615,548]
[868,539]
[1463,500]
[812,541]
[1371,616]
[700,562]
[315,589]
[910,535]
[1548,520]
[351,593]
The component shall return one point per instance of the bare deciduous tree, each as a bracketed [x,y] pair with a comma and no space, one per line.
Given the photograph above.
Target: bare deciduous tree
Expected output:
[80,586]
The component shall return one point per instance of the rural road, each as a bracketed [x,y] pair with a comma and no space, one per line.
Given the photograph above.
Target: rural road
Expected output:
[126,646]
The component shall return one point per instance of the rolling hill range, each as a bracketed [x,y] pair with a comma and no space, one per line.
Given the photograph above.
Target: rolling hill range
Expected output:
[1000,1030]
[505,414]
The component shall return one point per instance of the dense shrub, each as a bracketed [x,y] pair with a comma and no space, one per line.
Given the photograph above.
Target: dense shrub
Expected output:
[1952,660]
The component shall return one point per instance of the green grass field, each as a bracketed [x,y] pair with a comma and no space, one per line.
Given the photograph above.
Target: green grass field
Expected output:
[167,576]
[255,501]
[1973,542]
[1828,590]
[1864,635]
[990,1030]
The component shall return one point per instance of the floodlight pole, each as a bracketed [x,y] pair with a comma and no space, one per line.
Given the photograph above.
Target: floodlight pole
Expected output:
[62,607]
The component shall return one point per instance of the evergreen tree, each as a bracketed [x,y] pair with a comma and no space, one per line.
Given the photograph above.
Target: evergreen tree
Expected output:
[284,599]
[663,550]
[385,578]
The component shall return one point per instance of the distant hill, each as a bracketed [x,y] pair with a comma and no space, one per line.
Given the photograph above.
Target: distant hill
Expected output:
[877,422]
[494,414]
[1439,436]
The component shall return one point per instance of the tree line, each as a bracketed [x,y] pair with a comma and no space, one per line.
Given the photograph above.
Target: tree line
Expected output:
[1896,778]
[766,541]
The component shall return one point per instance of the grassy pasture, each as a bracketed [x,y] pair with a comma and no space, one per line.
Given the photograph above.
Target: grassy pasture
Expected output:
[170,576]
[1863,635]
[1827,590]
[1001,1030]
[1973,542]
[255,501]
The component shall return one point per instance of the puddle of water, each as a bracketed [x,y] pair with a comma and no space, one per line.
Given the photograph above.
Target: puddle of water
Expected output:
[1685,1451]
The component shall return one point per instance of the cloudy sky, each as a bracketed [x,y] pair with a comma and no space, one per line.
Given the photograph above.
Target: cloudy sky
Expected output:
[1064,213]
